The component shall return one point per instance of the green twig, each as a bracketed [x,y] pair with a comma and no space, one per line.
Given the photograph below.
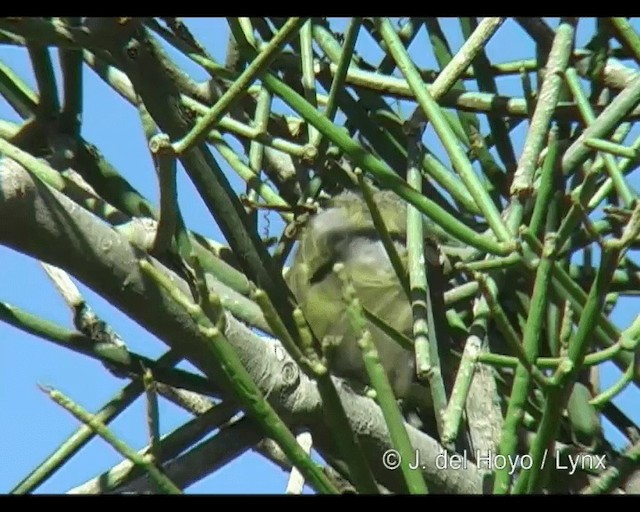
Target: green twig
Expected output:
[153,415]
[606,122]
[84,434]
[341,73]
[617,388]
[385,237]
[546,185]
[401,339]
[71,66]
[48,103]
[433,113]
[382,171]
[589,118]
[474,44]
[452,417]
[117,357]
[390,144]
[612,148]
[172,445]
[489,291]
[522,379]
[484,73]
[625,165]
[627,35]
[429,316]
[165,162]
[256,149]
[17,93]
[308,361]
[546,104]
[162,482]
[384,394]
[308,76]
[231,95]
[566,374]
[592,359]
[251,173]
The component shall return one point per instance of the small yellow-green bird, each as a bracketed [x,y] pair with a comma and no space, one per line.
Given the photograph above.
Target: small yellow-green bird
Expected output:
[342,231]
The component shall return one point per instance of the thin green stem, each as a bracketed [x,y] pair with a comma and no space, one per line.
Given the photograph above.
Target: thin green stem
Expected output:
[616,472]
[380,383]
[48,103]
[164,484]
[381,229]
[308,76]
[172,445]
[522,379]
[61,455]
[153,415]
[433,113]
[71,66]
[337,420]
[489,290]
[566,375]
[429,330]
[589,117]
[452,417]
[256,150]
[546,186]
[592,359]
[250,173]
[627,35]
[545,107]
[17,93]
[239,86]
[341,72]
[626,165]
[165,161]
[612,148]
[606,122]
[618,387]
[461,61]
[107,353]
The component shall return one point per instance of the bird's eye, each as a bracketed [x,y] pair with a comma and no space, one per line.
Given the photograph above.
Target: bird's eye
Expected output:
[323,271]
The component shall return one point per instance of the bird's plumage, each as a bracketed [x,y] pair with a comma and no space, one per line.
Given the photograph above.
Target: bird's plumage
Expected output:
[343,232]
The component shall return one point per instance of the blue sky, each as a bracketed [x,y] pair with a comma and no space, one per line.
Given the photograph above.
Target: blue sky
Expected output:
[33,426]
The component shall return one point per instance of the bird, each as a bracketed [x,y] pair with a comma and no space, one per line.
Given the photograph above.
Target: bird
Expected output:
[342,231]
